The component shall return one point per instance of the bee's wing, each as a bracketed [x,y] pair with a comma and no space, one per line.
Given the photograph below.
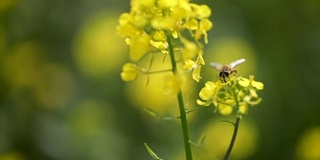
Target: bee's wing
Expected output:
[215,65]
[237,62]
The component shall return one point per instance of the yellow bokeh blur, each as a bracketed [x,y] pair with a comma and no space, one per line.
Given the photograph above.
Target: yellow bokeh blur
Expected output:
[7,4]
[22,63]
[26,68]
[89,117]
[2,38]
[97,47]
[218,136]
[159,94]
[13,155]
[308,147]
[56,87]
[227,50]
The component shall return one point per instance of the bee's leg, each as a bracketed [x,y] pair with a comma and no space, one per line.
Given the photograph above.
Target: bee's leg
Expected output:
[223,76]
[234,72]
[223,79]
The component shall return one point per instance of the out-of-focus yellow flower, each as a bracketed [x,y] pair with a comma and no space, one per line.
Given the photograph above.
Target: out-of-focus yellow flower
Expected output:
[192,24]
[190,49]
[164,23]
[126,28]
[197,68]
[139,47]
[308,145]
[172,84]
[149,24]
[205,25]
[243,109]
[167,4]
[200,11]
[218,139]
[196,73]
[13,155]
[129,72]
[238,93]
[160,41]
[159,36]
[142,4]
[225,109]
[188,64]
[96,48]
[6,5]
[150,15]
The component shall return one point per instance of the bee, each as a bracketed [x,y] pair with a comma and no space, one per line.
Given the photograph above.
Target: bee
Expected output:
[226,70]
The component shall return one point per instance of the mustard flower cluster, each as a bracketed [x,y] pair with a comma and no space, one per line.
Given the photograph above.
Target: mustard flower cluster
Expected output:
[238,93]
[150,25]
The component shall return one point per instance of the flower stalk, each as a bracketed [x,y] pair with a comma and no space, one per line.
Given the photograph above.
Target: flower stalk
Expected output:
[183,114]
[233,139]
[236,94]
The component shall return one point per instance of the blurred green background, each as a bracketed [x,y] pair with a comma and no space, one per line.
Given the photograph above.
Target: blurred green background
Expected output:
[61,96]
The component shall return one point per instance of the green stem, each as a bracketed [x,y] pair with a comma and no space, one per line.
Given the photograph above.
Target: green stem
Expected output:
[183,115]
[233,139]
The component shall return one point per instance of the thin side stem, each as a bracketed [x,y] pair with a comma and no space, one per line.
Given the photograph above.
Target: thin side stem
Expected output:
[183,115]
[161,71]
[233,139]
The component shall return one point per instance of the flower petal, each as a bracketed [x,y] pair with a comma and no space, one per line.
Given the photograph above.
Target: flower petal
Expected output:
[205,93]
[225,109]
[244,82]
[139,47]
[257,85]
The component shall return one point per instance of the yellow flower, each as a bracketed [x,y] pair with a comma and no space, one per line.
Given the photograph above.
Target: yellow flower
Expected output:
[163,23]
[249,100]
[208,93]
[127,29]
[170,15]
[250,83]
[239,93]
[243,109]
[244,82]
[196,73]
[225,109]
[192,24]
[142,3]
[159,36]
[129,72]
[139,47]
[200,11]
[188,64]
[150,24]
[204,26]
[195,66]
[160,41]
[190,49]
[165,4]
[172,84]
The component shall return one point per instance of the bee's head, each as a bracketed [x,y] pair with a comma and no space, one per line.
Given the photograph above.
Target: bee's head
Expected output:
[223,74]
